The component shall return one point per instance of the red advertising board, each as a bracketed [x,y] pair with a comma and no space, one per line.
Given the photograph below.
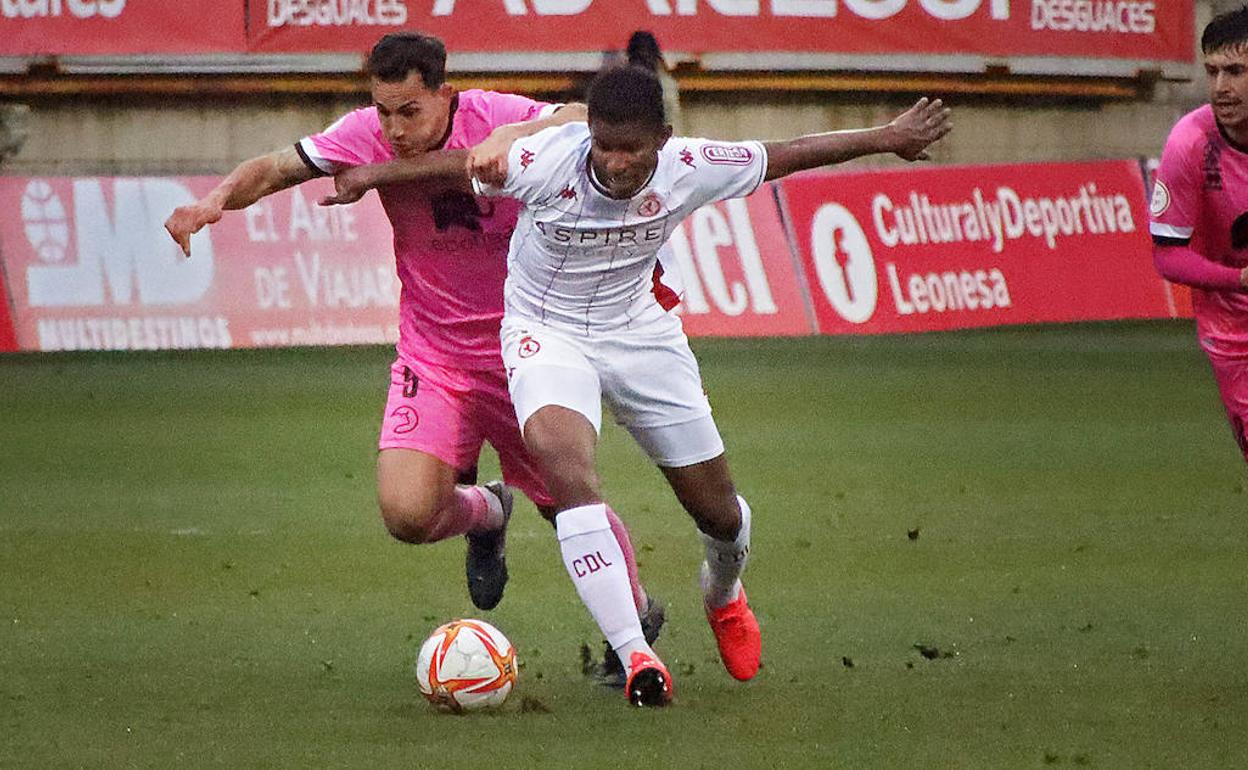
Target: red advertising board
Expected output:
[949,248]
[101,27]
[8,337]
[87,264]
[736,272]
[1141,30]
[1129,30]
[90,267]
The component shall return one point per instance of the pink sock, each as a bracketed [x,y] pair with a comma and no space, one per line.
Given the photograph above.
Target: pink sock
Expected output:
[468,511]
[630,561]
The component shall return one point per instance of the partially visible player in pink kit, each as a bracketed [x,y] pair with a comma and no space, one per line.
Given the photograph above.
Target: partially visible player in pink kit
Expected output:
[1200,212]
[448,391]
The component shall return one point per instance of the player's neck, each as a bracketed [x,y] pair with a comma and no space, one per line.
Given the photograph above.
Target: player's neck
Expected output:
[1236,136]
[450,122]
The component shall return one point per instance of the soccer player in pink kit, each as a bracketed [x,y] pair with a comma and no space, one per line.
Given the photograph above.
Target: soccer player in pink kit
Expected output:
[1200,212]
[448,392]
[582,327]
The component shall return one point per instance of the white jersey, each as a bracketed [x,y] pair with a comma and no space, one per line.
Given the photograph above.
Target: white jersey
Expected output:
[583,261]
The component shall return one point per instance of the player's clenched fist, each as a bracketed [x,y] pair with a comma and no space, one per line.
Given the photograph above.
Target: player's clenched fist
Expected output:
[185,221]
[350,184]
[487,162]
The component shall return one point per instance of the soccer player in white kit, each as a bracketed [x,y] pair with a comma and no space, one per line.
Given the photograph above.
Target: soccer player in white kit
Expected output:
[582,323]
[448,390]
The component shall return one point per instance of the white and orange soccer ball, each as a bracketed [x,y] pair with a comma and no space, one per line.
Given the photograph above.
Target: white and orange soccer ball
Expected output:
[466,665]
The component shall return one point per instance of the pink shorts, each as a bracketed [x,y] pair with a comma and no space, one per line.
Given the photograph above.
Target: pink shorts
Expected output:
[1231,374]
[449,413]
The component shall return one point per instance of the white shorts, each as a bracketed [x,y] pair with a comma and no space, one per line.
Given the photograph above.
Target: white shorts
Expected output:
[647,376]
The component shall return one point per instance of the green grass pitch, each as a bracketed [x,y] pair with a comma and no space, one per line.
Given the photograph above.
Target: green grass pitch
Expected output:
[193,573]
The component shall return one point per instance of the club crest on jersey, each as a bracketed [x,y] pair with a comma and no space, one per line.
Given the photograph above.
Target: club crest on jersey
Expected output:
[650,205]
[727,154]
[409,416]
[529,347]
[526,157]
[1161,199]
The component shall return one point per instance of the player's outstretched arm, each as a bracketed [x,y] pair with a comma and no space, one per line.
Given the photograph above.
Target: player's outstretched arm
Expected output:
[438,170]
[1180,264]
[250,181]
[908,136]
[488,160]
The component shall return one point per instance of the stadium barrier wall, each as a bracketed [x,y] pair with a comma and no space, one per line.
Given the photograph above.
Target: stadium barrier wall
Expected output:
[8,335]
[955,247]
[121,27]
[89,265]
[727,34]
[1127,30]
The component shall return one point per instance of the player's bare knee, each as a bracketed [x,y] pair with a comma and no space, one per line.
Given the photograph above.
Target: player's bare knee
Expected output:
[409,518]
[402,527]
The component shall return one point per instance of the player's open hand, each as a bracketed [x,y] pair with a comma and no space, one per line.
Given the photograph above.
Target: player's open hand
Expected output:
[918,127]
[350,185]
[487,162]
[185,221]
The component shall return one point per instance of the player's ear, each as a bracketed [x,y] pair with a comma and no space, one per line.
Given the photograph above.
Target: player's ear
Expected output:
[446,91]
[665,135]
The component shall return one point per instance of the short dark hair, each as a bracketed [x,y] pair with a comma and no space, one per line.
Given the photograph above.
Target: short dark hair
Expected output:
[398,54]
[1226,30]
[643,49]
[626,95]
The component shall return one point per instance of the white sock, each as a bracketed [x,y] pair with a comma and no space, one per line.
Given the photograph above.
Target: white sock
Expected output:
[725,560]
[595,562]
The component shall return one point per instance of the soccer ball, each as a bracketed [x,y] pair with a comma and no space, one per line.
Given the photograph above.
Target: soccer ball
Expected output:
[466,665]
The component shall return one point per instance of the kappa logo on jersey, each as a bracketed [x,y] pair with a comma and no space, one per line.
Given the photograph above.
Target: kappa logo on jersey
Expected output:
[1161,199]
[529,347]
[409,417]
[567,193]
[459,209]
[650,205]
[727,154]
[686,157]
[526,157]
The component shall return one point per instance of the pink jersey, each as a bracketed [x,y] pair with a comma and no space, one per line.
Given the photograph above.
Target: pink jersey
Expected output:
[450,248]
[1200,199]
